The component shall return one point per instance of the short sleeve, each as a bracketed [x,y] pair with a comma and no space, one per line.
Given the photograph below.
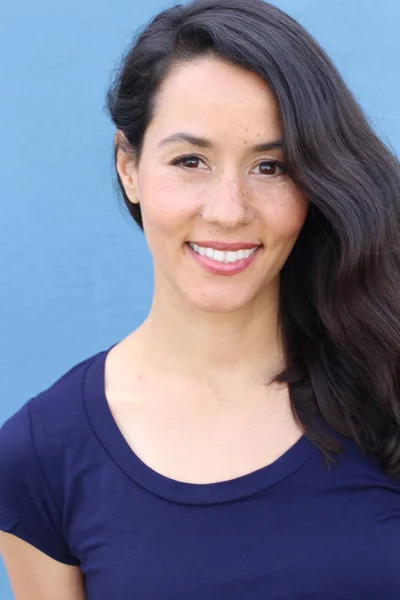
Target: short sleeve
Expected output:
[27,509]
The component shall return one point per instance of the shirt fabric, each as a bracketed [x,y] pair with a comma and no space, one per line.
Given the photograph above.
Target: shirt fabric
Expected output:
[71,486]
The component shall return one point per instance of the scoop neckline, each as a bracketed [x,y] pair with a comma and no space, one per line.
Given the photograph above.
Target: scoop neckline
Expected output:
[111,438]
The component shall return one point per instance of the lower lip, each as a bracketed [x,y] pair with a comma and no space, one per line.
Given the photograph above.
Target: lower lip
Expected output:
[223,268]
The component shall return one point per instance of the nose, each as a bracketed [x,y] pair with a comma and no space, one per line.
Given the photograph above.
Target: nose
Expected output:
[227,204]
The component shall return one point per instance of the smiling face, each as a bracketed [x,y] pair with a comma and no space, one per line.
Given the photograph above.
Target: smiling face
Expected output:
[211,175]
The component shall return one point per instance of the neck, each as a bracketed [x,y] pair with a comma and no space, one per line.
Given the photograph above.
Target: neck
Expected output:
[214,348]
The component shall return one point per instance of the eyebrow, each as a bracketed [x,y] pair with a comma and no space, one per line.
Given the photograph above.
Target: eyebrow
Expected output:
[205,143]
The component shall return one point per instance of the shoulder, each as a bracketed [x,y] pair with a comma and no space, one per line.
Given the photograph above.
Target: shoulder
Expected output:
[53,408]
[38,444]
[46,421]
[58,410]
[53,424]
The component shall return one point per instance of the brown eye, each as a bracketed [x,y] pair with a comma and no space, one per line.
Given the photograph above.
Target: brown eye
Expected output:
[270,167]
[191,162]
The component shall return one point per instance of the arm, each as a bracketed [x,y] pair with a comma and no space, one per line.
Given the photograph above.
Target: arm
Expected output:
[35,576]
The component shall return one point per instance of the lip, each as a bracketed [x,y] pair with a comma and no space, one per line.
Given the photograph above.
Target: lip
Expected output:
[213,266]
[226,247]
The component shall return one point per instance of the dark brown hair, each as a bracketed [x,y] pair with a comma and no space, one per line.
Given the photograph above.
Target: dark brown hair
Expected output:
[340,287]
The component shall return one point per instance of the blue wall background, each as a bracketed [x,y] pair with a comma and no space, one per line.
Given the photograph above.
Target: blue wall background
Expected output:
[75,274]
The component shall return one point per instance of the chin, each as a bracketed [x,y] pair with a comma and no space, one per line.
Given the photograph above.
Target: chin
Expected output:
[218,305]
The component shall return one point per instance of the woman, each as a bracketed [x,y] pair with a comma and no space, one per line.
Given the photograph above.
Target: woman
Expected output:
[243,442]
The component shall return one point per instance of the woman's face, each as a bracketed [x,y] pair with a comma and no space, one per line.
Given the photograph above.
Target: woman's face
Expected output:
[207,177]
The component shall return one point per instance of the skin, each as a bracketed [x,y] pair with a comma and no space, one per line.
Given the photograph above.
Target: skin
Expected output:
[35,576]
[208,326]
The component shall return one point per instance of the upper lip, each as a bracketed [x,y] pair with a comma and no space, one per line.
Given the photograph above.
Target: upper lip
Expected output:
[224,246]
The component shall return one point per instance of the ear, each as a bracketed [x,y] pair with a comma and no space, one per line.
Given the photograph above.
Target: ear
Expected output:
[126,167]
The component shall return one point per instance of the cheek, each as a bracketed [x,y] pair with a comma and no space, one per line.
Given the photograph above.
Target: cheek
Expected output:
[167,208]
[285,214]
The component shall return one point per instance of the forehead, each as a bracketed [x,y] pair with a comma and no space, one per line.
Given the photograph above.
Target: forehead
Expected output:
[209,95]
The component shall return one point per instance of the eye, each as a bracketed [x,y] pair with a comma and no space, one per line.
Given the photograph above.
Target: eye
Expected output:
[190,161]
[271,167]
[267,167]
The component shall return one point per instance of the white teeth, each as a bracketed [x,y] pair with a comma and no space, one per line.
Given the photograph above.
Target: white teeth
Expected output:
[231,256]
[222,257]
[219,256]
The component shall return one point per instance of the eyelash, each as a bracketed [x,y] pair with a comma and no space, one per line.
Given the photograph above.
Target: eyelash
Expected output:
[179,161]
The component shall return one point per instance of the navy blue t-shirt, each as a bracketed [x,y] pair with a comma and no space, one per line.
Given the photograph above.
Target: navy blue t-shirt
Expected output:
[71,486]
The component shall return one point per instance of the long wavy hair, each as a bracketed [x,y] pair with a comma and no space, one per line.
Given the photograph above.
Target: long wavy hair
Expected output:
[340,286]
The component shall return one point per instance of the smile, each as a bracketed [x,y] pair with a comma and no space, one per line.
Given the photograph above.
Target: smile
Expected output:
[224,262]
[221,256]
